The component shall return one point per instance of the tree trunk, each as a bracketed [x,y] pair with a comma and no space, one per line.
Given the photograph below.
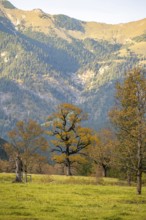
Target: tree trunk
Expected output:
[26,174]
[68,167]
[19,170]
[68,172]
[129,178]
[139,165]
[104,171]
[139,182]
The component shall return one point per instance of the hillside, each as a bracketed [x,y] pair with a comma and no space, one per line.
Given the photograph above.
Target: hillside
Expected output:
[3,154]
[48,59]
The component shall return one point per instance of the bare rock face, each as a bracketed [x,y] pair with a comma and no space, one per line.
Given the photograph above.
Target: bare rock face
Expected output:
[38,11]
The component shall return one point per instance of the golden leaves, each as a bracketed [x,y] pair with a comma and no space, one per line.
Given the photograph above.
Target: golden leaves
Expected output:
[69,136]
[27,139]
[129,117]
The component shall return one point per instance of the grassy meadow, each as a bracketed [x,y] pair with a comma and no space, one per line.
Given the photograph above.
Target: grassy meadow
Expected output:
[67,198]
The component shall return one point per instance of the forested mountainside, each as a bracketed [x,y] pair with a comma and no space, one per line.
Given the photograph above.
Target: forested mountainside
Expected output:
[3,154]
[49,59]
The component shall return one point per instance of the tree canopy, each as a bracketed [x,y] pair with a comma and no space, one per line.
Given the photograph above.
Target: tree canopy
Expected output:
[26,141]
[70,138]
[129,118]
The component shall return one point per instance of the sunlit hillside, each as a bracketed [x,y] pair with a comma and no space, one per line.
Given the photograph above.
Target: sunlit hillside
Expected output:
[66,27]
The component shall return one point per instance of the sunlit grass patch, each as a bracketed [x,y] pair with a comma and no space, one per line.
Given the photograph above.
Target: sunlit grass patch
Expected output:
[68,198]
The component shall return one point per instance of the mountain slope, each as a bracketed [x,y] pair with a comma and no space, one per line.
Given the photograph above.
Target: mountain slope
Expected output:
[49,59]
[3,155]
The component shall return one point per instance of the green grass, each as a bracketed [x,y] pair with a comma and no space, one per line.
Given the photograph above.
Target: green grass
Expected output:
[67,198]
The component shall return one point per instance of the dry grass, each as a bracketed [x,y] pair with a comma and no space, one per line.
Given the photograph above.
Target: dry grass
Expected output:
[36,20]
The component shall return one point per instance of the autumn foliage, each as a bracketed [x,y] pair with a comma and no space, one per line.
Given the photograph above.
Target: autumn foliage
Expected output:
[27,141]
[129,119]
[70,138]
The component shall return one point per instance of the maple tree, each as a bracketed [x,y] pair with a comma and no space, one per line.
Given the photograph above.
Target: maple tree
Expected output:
[129,119]
[26,142]
[102,151]
[70,138]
